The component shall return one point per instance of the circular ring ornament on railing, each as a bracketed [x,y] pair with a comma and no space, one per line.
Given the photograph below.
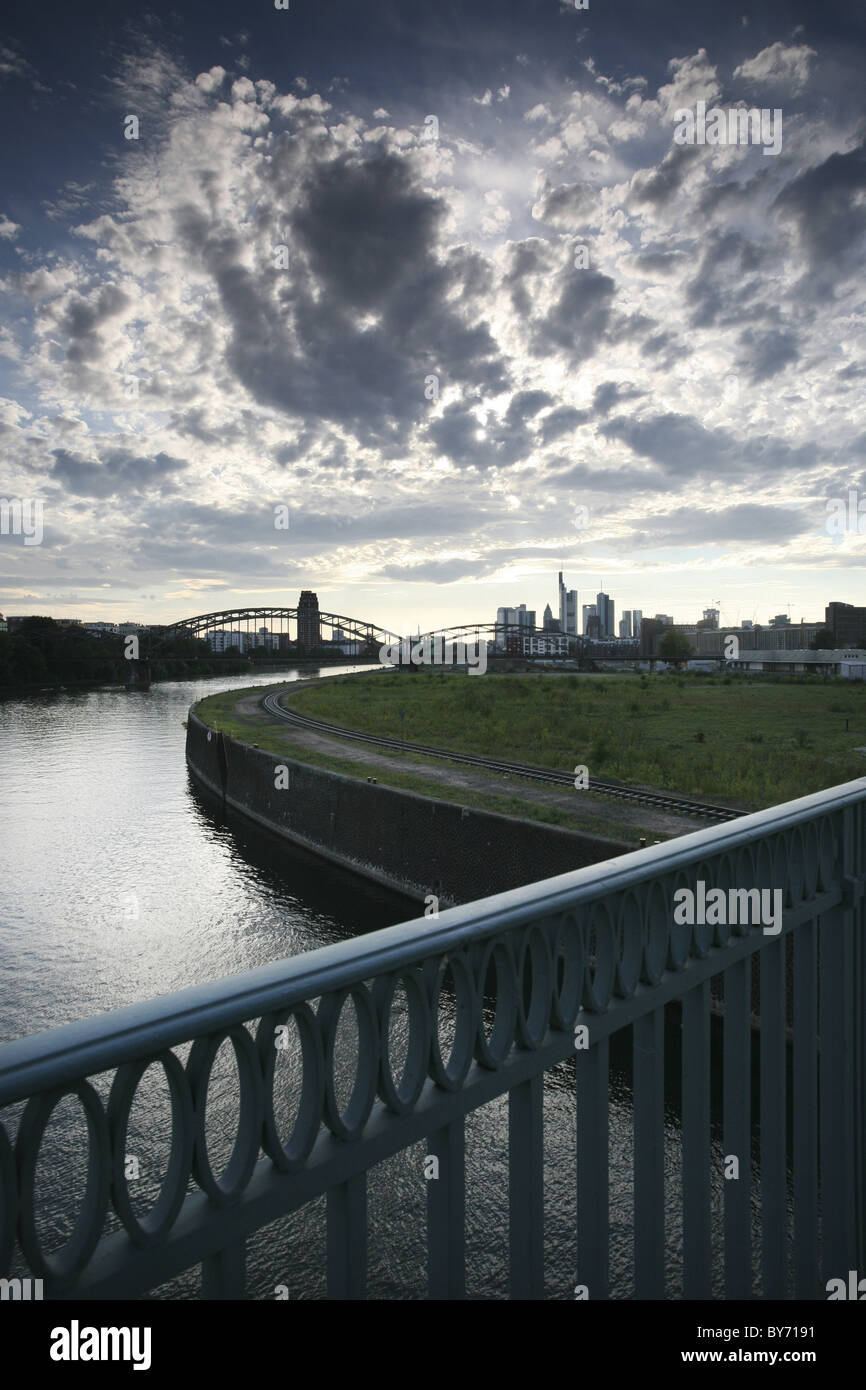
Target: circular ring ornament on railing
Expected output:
[724,879]
[227,1189]
[796,867]
[491,1052]
[400,1097]
[702,932]
[534,984]
[294,1154]
[825,853]
[598,982]
[681,933]
[746,877]
[348,1123]
[658,915]
[8,1202]
[450,1075]
[763,865]
[63,1266]
[567,948]
[630,944]
[154,1227]
[811,856]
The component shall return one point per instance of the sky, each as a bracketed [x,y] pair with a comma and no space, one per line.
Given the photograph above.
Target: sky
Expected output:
[416,305]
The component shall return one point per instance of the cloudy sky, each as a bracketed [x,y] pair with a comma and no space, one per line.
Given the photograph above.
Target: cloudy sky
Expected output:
[339,271]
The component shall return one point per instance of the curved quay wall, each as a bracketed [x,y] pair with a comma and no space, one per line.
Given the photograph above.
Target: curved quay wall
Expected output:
[414,844]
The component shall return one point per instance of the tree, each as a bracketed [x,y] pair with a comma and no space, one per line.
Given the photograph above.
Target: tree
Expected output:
[676,647]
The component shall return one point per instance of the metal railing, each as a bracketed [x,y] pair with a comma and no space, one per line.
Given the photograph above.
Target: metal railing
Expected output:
[537,975]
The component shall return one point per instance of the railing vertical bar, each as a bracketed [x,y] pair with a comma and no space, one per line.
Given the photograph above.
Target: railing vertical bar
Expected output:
[446,1213]
[837,1241]
[592,1169]
[526,1188]
[697,1247]
[805,1101]
[347,1239]
[223,1275]
[737,1122]
[774,1205]
[649,1155]
[858,977]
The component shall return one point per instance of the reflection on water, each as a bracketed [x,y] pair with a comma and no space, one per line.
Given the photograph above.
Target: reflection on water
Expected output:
[120,883]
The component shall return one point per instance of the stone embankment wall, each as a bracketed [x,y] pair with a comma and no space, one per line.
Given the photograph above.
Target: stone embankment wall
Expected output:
[415,844]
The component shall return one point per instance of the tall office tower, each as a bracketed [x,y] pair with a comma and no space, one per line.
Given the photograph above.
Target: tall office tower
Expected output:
[549,622]
[567,609]
[625,623]
[604,604]
[308,620]
[589,611]
[636,620]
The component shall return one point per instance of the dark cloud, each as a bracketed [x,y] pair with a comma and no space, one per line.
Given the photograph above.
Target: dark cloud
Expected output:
[116,474]
[827,207]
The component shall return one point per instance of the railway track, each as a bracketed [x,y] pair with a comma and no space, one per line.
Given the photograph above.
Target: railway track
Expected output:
[678,804]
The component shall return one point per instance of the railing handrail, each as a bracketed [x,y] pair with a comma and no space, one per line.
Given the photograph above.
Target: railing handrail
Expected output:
[42,1060]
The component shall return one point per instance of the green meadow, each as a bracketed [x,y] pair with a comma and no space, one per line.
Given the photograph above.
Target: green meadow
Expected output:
[748,741]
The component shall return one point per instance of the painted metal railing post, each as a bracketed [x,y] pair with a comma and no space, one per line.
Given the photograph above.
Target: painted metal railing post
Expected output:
[649,1155]
[697,1250]
[446,1213]
[592,1168]
[805,1098]
[737,1123]
[774,1192]
[835,1018]
[526,1188]
[347,1239]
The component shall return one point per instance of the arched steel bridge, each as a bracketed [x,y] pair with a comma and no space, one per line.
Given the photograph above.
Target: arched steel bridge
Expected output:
[283,624]
[280,622]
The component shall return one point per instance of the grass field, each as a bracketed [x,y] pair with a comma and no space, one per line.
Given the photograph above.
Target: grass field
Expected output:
[219,712]
[748,741]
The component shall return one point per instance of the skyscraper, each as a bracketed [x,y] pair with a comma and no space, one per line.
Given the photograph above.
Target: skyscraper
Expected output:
[625,623]
[636,620]
[604,604]
[567,609]
[589,611]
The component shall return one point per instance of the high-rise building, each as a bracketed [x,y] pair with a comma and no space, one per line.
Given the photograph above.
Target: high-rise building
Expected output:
[309,631]
[589,611]
[605,609]
[512,617]
[625,623]
[636,620]
[549,623]
[567,609]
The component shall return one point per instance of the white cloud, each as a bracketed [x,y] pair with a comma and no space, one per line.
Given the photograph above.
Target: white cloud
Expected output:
[781,63]
[8,229]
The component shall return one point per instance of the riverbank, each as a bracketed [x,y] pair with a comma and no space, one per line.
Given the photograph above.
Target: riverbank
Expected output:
[398,836]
